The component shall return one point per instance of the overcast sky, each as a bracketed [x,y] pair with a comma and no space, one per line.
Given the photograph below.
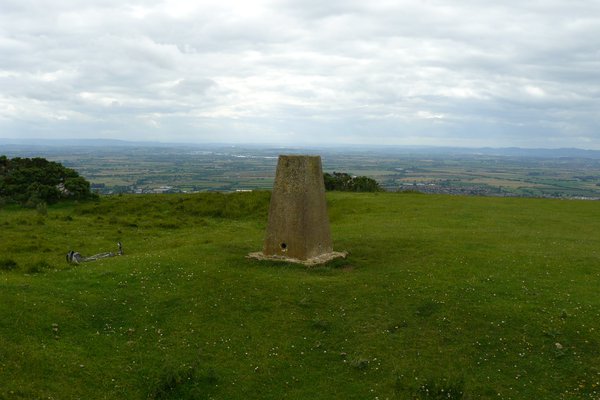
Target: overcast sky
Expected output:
[445,72]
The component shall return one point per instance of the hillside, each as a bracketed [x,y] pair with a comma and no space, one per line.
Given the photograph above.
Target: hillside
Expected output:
[441,297]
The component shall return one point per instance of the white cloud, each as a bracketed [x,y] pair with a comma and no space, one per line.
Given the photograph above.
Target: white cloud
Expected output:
[441,72]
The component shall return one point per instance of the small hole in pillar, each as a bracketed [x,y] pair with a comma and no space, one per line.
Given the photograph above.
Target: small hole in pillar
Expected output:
[283,246]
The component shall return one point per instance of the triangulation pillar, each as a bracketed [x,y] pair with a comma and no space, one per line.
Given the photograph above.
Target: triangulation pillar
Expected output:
[298,226]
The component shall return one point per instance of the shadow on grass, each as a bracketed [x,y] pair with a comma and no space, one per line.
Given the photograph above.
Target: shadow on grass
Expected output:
[431,388]
[187,383]
[333,267]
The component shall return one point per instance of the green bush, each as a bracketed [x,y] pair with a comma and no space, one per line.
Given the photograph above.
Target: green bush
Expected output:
[29,181]
[344,182]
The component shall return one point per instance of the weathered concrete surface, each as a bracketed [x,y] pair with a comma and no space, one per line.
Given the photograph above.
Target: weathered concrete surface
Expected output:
[321,259]
[298,226]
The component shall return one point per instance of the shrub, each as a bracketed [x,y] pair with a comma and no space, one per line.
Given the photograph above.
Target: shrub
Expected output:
[34,180]
[344,182]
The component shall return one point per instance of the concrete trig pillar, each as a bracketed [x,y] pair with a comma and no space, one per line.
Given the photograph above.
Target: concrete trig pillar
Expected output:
[298,226]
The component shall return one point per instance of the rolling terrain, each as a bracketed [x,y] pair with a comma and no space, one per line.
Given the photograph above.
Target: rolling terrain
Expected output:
[441,297]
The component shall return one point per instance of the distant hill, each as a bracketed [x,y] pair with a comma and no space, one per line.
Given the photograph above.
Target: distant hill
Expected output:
[392,149]
[486,151]
[75,142]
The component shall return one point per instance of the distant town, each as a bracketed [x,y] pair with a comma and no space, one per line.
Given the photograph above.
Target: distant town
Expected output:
[124,167]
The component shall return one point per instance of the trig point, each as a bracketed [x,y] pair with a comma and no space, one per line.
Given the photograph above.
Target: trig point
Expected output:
[298,227]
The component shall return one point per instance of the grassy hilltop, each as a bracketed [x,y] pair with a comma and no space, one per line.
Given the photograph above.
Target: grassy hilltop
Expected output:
[441,298]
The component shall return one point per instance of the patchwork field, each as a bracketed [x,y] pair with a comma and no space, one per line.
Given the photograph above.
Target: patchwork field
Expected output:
[441,297]
[122,168]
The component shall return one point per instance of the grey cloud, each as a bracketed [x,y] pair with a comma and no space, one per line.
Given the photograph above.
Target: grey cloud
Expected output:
[509,73]
[193,86]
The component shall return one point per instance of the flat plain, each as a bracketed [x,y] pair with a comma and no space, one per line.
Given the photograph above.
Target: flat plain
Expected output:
[121,168]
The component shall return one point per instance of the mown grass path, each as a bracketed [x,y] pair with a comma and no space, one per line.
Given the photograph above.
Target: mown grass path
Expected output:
[441,297]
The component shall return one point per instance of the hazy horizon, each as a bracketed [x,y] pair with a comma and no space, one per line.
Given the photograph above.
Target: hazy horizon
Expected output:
[381,148]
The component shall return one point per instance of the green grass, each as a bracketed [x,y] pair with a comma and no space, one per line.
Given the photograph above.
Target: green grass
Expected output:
[441,297]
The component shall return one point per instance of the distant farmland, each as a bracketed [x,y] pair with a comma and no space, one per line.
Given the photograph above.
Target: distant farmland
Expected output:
[147,169]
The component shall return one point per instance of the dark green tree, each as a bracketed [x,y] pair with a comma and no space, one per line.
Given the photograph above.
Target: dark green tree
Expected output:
[344,182]
[29,181]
